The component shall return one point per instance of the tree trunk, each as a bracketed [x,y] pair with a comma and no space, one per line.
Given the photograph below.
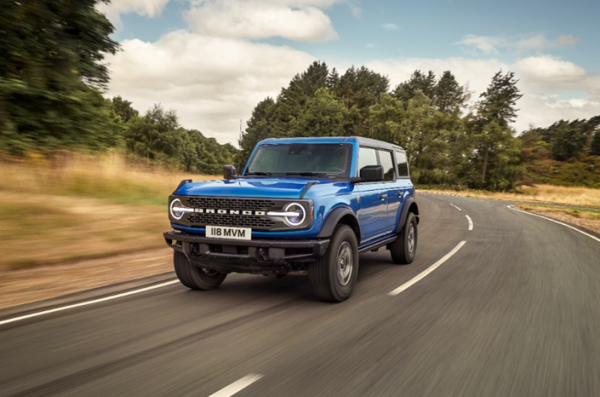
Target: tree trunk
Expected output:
[485,164]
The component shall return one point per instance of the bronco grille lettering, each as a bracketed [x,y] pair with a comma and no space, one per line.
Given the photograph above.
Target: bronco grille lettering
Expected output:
[229,212]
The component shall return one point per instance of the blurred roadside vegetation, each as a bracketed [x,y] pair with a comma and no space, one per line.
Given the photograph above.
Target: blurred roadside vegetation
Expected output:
[80,206]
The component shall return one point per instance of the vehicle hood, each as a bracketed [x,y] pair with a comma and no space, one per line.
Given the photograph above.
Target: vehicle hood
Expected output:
[250,187]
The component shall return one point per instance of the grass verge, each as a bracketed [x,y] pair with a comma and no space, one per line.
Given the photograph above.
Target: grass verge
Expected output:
[585,218]
[77,206]
[42,229]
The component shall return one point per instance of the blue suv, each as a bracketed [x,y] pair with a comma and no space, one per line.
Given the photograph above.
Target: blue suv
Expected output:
[302,206]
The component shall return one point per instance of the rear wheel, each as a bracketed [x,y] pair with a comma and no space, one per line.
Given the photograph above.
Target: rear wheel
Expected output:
[333,276]
[404,248]
[195,277]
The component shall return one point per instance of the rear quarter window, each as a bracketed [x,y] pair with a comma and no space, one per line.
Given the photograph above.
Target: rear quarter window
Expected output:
[402,164]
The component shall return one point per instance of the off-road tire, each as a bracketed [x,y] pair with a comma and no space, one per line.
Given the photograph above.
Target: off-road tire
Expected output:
[404,248]
[195,277]
[333,276]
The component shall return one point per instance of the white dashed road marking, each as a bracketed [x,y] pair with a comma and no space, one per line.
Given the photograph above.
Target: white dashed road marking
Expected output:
[455,207]
[470,222]
[426,272]
[106,298]
[237,386]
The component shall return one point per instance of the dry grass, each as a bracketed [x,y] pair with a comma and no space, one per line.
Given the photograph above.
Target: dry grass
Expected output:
[41,229]
[588,219]
[579,196]
[79,207]
[81,175]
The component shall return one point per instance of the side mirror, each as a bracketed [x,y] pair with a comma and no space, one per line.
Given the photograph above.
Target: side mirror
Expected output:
[371,173]
[229,172]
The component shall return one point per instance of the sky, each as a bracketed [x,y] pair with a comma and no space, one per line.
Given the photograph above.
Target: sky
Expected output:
[212,61]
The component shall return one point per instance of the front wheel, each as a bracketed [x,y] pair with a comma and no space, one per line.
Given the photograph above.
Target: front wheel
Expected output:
[195,277]
[404,248]
[333,276]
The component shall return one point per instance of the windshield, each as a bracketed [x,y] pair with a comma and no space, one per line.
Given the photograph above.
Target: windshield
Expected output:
[327,160]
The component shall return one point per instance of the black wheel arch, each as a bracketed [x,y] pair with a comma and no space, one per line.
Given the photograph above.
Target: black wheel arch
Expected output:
[340,216]
[410,205]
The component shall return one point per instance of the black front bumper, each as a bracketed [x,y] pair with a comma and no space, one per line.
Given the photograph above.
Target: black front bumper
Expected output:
[246,256]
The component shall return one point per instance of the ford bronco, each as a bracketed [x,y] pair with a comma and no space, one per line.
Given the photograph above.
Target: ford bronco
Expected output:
[301,206]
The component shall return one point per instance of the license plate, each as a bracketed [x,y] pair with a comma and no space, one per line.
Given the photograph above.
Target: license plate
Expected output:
[233,233]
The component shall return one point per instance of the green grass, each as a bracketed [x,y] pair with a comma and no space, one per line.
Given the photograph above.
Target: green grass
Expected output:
[575,212]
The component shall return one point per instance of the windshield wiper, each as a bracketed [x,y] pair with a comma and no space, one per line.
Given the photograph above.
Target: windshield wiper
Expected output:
[307,173]
[259,173]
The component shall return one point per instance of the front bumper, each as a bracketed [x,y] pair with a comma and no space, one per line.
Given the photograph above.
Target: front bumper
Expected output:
[246,256]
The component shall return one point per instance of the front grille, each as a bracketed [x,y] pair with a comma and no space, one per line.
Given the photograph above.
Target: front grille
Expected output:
[219,203]
[255,222]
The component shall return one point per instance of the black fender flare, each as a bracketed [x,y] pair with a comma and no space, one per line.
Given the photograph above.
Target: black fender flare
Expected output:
[408,203]
[333,219]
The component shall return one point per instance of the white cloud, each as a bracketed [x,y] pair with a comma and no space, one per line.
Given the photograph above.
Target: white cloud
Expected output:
[390,26]
[370,45]
[493,44]
[211,82]
[547,68]
[113,10]
[541,80]
[301,20]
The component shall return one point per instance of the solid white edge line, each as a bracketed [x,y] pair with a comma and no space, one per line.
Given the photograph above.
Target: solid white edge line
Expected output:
[431,268]
[86,303]
[555,221]
[470,222]
[237,386]
[455,206]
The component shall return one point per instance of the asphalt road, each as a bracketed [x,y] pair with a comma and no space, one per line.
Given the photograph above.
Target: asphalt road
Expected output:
[514,312]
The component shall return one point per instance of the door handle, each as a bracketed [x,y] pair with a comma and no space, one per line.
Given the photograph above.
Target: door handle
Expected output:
[383,196]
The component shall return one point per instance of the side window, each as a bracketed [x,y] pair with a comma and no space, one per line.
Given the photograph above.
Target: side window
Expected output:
[366,156]
[402,164]
[387,162]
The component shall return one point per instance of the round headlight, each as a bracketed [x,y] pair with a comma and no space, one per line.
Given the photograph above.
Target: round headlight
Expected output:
[177,209]
[297,219]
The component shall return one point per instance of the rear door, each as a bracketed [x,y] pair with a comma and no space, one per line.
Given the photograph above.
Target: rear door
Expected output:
[372,214]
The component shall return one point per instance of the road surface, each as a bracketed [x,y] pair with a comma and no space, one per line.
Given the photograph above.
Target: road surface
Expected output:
[508,308]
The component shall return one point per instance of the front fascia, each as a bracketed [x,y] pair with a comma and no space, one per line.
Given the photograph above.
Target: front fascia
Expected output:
[324,197]
[260,214]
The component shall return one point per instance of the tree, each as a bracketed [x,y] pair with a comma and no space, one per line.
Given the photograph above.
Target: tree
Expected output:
[262,125]
[358,90]
[50,72]
[595,150]
[302,87]
[322,115]
[490,130]
[418,82]
[157,136]
[568,141]
[123,109]
[449,96]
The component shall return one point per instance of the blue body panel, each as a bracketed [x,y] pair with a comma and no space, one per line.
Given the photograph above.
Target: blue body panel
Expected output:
[378,216]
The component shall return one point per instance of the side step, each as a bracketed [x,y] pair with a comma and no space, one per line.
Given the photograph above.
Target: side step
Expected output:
[377,245]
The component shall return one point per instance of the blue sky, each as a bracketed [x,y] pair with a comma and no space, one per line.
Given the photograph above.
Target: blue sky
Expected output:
[213,60]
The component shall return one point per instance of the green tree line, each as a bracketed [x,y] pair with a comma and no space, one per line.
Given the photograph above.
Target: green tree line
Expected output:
[566,153]
[447,143]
